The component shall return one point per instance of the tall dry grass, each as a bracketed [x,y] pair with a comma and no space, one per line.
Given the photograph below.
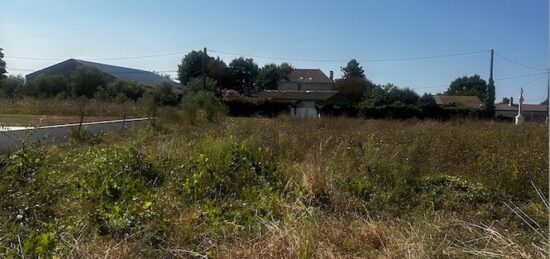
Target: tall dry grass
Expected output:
[316,188]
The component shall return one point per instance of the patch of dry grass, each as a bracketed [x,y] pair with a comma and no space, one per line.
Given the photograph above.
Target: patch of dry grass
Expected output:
[329,188]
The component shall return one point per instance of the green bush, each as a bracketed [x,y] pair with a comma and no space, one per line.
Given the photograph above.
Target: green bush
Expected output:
[119,183]
[225,168]
[192,103]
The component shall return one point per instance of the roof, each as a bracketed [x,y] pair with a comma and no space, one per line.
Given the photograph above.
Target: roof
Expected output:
[117,72]
[288,95]
[306,76]
[467,101]
[524,107]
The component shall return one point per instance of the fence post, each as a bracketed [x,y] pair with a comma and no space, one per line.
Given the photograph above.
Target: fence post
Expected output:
[123,120]
[81,119]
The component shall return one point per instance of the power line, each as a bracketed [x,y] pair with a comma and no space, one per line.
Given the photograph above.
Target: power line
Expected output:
[518,63]
[344,60]
[526,85]
[521,76]
[118,72]
[108,58]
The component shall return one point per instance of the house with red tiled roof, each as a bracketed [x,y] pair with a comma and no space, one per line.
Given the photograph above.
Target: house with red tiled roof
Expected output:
[307,79]
[302,89]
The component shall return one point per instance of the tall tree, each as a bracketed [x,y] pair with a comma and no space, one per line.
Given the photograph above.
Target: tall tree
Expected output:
[244,72]
[2,65]
[218,71]
[490,98]
[190,67]
[270,74]
[353,69]
[354,88]
[469,86]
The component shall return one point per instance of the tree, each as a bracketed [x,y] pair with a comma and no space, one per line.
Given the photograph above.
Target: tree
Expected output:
[270,74]
[11,85]
[545,102]
[196,85]
[47,86]
[403,95]
[376,97]
[505,100]
[164,94]
[285,69]
[191,66]
[391,94]
[353,69]
[244,72]
[127,89]
[2,65]
[426,100]
[86,80]
[489,106]
[218,71]
[469,86]
[354,88]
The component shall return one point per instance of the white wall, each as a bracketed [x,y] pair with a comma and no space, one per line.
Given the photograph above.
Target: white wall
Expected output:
[11,140]
[305,109]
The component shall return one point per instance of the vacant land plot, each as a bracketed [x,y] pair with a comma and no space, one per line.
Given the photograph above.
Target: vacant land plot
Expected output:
[257,188]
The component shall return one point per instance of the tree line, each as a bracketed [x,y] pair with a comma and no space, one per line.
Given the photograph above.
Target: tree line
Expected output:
[242,76]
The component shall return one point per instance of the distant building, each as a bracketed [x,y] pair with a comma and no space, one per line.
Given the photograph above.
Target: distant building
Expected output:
[307,79]
[303,88]
[302,102]
[472,102]
[111,72]
[530,112]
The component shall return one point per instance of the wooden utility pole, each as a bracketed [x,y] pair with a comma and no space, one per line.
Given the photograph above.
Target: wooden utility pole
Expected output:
[491,73]
[204,58]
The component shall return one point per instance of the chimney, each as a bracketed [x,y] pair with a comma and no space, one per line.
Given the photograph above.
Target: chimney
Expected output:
[331,75]
[511,103]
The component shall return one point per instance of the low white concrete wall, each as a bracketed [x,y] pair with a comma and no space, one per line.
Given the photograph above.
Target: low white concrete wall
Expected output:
[11,140]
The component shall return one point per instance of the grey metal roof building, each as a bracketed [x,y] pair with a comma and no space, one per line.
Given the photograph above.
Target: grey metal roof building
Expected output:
[67,67]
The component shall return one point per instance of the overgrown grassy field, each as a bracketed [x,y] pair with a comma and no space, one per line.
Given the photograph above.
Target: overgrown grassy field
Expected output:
[291,188]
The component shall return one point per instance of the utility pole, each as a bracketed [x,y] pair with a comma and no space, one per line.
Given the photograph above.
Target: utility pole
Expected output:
[204,58]
[491,73]
[490,93]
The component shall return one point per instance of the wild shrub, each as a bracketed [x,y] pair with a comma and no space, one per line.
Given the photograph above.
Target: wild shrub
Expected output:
[192,103]
[84,136]
[115,186]
[225,168]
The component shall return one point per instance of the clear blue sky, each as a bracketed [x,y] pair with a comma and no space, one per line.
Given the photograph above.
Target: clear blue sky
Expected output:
[328,30]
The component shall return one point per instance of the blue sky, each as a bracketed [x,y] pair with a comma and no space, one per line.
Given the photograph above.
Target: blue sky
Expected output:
[320,30]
